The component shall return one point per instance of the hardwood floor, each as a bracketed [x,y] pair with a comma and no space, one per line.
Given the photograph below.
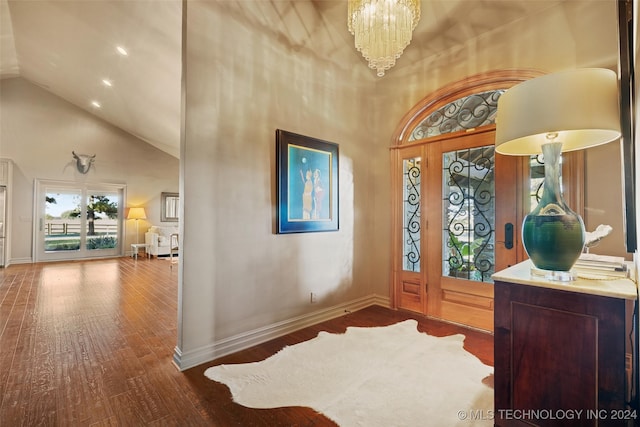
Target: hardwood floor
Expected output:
[90,344]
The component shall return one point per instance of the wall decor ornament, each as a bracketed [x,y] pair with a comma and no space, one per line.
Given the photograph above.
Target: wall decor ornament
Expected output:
[83,162]
[307,184]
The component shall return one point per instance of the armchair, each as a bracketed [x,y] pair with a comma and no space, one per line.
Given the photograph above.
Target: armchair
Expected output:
[161,240]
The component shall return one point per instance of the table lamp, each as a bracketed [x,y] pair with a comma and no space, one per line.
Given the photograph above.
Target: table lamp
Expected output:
[551,114]
[137,214]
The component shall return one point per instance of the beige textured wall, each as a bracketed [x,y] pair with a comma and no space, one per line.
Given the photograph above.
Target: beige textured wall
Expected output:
[603,202]
[38,132]
[583,34]
[238,274]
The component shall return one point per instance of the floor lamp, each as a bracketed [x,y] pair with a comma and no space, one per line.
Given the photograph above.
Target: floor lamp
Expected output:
[137,214]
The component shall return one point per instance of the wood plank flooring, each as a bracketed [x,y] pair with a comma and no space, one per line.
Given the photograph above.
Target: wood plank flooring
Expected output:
[90,343]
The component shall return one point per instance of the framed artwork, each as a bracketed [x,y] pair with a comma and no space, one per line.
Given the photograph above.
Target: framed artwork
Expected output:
[307,180]
[169,204]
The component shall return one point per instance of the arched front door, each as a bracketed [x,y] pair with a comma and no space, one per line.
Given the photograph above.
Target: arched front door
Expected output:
[457,206]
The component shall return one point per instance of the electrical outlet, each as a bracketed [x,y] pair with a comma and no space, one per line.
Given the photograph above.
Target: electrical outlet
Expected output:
[314,298]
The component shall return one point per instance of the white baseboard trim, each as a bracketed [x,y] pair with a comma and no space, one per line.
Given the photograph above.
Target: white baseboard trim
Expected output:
[26,260]
[189,359]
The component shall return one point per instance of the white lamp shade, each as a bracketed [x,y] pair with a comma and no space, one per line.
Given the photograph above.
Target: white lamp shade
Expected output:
[136,213]
[581,106]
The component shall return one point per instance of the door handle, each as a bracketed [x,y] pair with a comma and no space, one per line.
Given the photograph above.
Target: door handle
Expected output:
[508,235]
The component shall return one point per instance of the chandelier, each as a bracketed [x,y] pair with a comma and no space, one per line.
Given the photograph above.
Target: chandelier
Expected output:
[382,29]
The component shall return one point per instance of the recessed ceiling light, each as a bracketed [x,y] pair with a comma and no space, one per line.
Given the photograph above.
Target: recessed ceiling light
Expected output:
[96,104]
[107,82]
[122,51]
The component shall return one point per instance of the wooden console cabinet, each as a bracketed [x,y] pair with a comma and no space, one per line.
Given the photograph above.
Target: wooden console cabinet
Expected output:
[560,350]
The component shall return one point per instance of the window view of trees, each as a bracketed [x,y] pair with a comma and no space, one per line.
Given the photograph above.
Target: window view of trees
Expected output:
[63,221]
[97,208]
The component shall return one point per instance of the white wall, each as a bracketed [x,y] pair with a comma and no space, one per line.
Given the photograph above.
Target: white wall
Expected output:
[38,132]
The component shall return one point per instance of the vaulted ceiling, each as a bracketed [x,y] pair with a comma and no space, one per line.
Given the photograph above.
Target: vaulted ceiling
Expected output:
[69,47]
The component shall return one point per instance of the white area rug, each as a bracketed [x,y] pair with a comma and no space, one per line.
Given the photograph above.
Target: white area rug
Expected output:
[382,376]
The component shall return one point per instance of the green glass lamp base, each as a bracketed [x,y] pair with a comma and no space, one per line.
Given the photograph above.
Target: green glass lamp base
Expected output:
[553,234]
[553,242]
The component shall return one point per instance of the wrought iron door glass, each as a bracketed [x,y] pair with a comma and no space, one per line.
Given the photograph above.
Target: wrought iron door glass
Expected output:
[468,203]
[411,215]
[464,113]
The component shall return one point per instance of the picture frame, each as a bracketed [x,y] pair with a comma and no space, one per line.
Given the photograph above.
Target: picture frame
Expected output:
[169,204]
[307,184]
